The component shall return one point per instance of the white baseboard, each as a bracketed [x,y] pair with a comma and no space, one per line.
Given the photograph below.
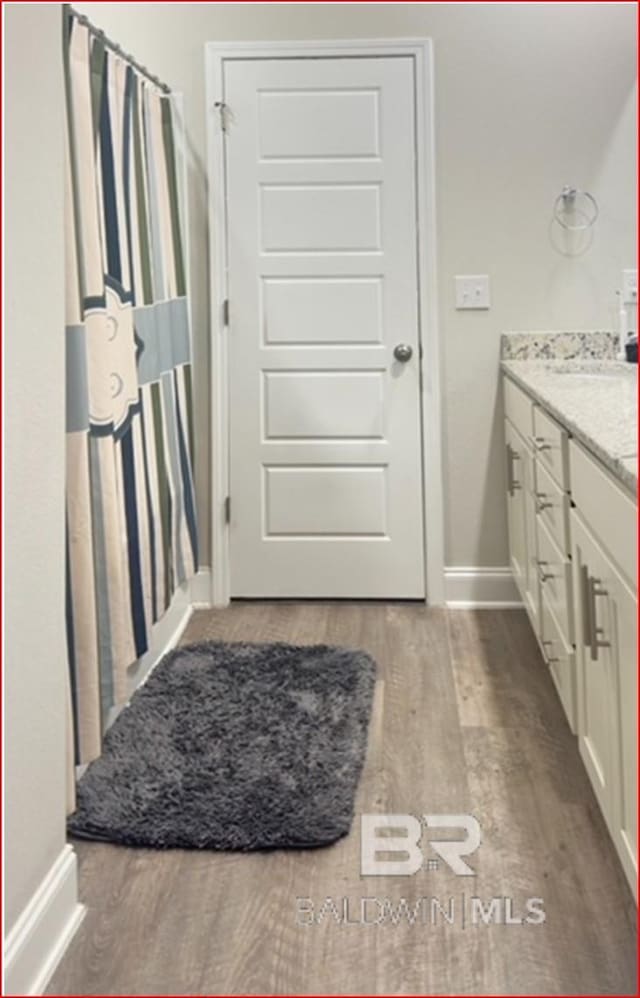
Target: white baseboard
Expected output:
[201,589]
[36,942]
[473,587]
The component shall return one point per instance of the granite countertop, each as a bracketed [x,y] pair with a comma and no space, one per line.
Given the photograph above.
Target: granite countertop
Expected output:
[594,397]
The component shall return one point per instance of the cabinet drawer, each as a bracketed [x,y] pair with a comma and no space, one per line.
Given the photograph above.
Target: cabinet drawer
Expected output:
[551,444]
[555,581]
[552,507]
[561,661]
[608,510]
[518,408]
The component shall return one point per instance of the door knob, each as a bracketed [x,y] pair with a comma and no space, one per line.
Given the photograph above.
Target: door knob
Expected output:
[403,352]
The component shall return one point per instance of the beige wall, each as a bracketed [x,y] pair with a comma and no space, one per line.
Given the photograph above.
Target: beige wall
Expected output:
[529,97]
[35,657]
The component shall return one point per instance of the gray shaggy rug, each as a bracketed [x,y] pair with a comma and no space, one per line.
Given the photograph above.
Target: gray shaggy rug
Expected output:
[233,746]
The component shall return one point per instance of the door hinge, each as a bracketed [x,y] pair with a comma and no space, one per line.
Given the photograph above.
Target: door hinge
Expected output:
[225,312]
[227,510]
[222,109]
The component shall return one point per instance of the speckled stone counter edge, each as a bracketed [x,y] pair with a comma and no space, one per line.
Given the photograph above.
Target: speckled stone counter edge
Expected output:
[619,464]
[585,345]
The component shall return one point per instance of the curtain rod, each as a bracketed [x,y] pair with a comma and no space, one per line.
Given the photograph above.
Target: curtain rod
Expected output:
[99,33]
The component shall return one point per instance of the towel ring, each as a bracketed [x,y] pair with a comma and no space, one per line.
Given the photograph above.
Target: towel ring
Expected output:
[566,199]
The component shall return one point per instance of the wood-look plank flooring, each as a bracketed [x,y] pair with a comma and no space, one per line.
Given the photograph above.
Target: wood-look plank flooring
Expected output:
[465,720]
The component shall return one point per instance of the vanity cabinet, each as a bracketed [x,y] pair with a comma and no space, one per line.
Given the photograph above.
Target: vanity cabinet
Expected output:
[573,544]
[538,502]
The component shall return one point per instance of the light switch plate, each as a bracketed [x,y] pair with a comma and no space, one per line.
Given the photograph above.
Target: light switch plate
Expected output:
[630,287]
[472,291]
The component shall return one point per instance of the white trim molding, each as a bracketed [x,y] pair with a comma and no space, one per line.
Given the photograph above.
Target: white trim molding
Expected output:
[201,589]
[35,944]
[420,50]
[475,587]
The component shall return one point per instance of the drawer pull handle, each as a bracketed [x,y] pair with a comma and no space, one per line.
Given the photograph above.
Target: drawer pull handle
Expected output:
[544,576]
[540,443]
[550,658]
[542,502]
[585,606]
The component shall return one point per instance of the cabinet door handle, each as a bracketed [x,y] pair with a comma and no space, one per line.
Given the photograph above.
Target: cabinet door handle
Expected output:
[512,483]
[586,607]
[595,590]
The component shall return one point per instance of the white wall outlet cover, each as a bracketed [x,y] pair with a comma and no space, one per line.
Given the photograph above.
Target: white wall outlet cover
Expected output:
[630,287]
[472,291]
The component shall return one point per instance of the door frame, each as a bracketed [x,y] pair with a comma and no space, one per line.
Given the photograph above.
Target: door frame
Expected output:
[420,49]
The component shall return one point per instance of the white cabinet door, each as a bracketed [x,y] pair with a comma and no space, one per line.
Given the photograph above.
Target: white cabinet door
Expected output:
[521,512]
[532,570]
[325,453]
[516,514]
[560,658]
[606,631]
[595,666]
[624,645]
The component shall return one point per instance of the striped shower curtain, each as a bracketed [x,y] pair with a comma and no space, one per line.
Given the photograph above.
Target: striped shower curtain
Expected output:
[131,522]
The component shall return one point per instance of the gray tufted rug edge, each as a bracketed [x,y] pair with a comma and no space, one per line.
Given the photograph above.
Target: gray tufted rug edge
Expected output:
[238,746]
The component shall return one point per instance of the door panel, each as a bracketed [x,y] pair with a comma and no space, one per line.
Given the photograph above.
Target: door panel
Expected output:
[307,123]
[326,479]
[322,310]
[324,404]
[320,217]
[326,501]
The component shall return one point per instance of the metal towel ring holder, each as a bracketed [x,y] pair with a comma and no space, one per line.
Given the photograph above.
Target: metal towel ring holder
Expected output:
[566,201]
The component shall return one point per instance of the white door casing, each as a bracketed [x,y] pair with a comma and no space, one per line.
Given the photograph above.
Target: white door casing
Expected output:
[322,263]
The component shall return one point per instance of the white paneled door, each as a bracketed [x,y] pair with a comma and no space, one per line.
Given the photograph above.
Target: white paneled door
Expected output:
[325,449]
